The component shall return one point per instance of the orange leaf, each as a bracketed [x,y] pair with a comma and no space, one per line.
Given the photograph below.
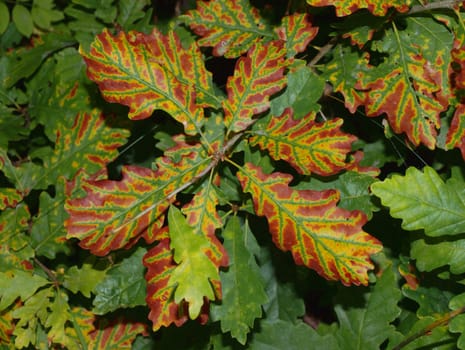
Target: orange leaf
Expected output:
[308,223]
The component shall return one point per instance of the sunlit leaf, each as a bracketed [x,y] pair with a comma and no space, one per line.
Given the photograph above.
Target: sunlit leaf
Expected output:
[424,201]
[230,27]
[9,282]
[377,7]
[191,254]
[83,279]
[163,310]
[309,146]
[308,223]
[256,77]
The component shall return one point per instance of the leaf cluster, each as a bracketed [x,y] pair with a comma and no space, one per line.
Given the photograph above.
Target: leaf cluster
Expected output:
[232,174]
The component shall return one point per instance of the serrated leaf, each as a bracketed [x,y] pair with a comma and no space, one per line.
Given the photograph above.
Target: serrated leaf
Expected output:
[376,7]
[230,27]
[90,143]
[310,147]
[83,279]
[115,214]
[149,72]
[411,87]
[308,223]
[256,77]
[18,284]
[122,287]
[160,265]
[431,301]
[369,326]
[423,201]
[6,326]
[116,334]
[297,31]
[243,288]
[191,254]
[130,11]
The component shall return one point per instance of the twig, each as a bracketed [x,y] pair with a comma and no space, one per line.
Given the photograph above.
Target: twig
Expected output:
[446,4]
[323,51]
[430,327]
[49,272]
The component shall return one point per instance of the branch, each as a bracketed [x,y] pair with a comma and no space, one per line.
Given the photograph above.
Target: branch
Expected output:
[442,321]
[446,4]
[323,51]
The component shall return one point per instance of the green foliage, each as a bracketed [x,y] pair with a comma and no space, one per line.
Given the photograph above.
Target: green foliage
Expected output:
[215,175]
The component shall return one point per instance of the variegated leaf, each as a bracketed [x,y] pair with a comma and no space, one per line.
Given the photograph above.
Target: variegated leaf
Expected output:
[230,27]
[310,147]
[149,72]
[308,223]
[376,7]
[257,76]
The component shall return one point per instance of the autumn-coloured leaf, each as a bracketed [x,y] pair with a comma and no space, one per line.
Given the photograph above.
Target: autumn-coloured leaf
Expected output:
[456,134]
[160,265]
[115,334]
[79,331]
[410,87]
[297,31]
[201,214]
[309,146]
[6,326]
[91,143]
[256,77]
[308,223]
[230,27]
[24,176]
[14,222]
[192,255]
[115,214]
[9,198]
[149,72]
[376,7]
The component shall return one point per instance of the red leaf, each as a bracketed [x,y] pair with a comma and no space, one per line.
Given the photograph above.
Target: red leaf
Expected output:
[117,334]
[256,77]
[308,223]
[148,72]
[297,31]
[310,147]
[376,7]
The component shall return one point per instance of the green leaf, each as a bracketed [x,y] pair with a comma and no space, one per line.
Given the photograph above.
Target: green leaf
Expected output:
[369,326]
[123,285]
[430,254]
[84,279]
[190,253]
[353,187]
[43,13]
[423,201]
[130,11]
[243,287]
[4,17]
[48,234]
[304,90]
[34,311]
[18,284]
[280,335]
[23,20]
[57,318]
